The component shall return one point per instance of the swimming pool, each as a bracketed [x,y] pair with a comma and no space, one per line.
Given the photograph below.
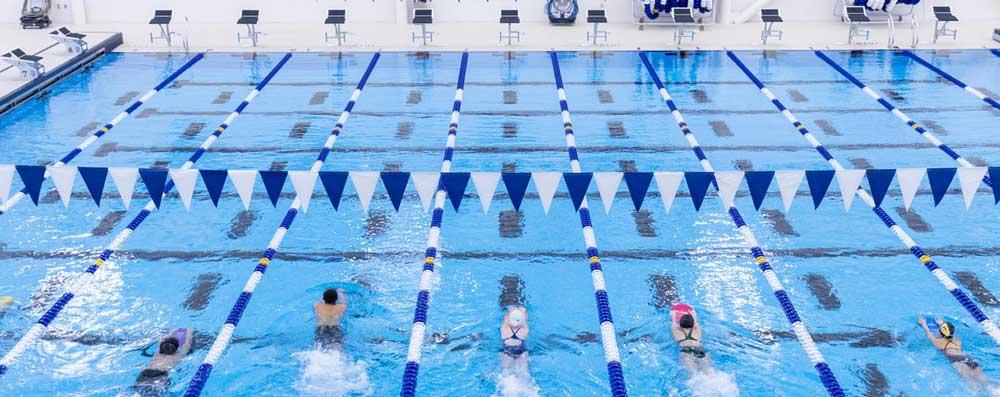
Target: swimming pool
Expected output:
[855,286]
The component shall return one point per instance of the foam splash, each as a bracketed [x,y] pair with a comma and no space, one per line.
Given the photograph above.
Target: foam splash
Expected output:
[515,380]
[331,373]
[712,383]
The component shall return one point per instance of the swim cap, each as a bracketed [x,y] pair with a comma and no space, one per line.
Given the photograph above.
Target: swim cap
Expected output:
[6,300]
[947,330]
[169,346]
[682,308]
[516,318]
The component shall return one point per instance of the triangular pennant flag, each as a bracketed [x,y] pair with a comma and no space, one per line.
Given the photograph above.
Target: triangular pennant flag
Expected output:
[638,185]
[63,178]
[546,184]
[994,180]
[849,180]
[970,178]
[303,182]
[455,183]
[486,185]
[32,177]
[728,182]
[698,186]
[395,185]
[94,178]
[155,180]
[124,179]
[333,183]
[758,182]
[516,184]
[878,183]
[577,183]
[668,182]
[274,181]
[214,181]
[819,183]
[788,185]
[184,180]
[6,175]
[607,186]
[364,184]
[426,184]
[940,179]
[909,182]
[243,181]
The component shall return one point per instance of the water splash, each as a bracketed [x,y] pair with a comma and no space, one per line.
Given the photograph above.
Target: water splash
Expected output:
[331,373]
[712,383]
[515,379]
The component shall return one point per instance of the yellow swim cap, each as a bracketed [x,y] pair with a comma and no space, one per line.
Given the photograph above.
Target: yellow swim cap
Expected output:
[6,301]
[947,330]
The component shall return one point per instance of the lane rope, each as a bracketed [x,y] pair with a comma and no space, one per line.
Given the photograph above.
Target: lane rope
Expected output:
[826,375]
[225,335]
[903,237]
[20,195]
[902,116]
[87,277]
[419,327]
[954,80]
[609,340]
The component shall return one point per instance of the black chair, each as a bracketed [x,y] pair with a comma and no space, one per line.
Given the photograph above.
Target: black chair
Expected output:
[683,17]
[249,18]
[943,15]
[29,65]
[769,17]
[510,17]
[855,17]
[423,17]
[162,18]
[336,18]
[597,17]
[73,41]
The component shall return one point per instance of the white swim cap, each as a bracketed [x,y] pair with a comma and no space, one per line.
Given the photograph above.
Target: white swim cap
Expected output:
[516,318]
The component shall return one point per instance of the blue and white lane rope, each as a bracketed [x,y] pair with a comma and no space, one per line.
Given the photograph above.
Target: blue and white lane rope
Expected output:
[17,197]
[826,375]
[225,335]
[903,237]
[616,377]
[902,116]
[947,76]
[87,277]
[419,327]
[995,52]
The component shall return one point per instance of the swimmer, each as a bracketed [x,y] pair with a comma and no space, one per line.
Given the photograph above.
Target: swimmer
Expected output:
[687,332]
[5,303]
[514,332]
[155,379]
[951,347]
[329,311]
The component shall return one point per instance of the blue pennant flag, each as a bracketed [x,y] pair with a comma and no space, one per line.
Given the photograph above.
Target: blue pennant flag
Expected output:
[638,185]
[94,178]
[273,182]
[758,182]
[455,183]
[819,183]
[577,183]
[333,183]
[940,179]
[214,180]
[155,179]
[395,185]
[32,176]
[698,183]
[516,184]
[995,178]
[878,182]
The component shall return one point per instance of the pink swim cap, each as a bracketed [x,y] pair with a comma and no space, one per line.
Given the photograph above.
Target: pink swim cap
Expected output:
[682,308]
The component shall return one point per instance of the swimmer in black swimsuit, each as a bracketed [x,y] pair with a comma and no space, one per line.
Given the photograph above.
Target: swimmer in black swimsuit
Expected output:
[951,347]
[329,311]
[514,331]
[154,380]
[687,332]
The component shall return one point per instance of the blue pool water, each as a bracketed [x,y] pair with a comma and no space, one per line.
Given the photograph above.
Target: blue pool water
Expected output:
[855,286]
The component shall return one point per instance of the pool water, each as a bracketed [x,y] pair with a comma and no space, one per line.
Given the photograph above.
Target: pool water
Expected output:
[858,290]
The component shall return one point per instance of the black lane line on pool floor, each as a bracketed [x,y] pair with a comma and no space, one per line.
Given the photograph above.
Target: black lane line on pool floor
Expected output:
[181,83]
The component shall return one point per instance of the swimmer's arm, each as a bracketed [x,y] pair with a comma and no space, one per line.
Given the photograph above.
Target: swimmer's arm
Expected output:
[188,341]
[342,297]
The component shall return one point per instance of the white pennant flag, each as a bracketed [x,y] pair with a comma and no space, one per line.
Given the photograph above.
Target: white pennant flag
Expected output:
[63,178]
[124,179]
[486,185]
[546,184]
[243,181]
[184,182]
[6,175]
[364,184]
[426,184]
[728,182]
[909,182]
[970,178]
[303,182]
[668,182]
[849,180]
[788,185]
[607,186]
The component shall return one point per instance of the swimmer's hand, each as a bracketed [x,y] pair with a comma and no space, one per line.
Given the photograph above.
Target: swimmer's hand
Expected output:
[922,321]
